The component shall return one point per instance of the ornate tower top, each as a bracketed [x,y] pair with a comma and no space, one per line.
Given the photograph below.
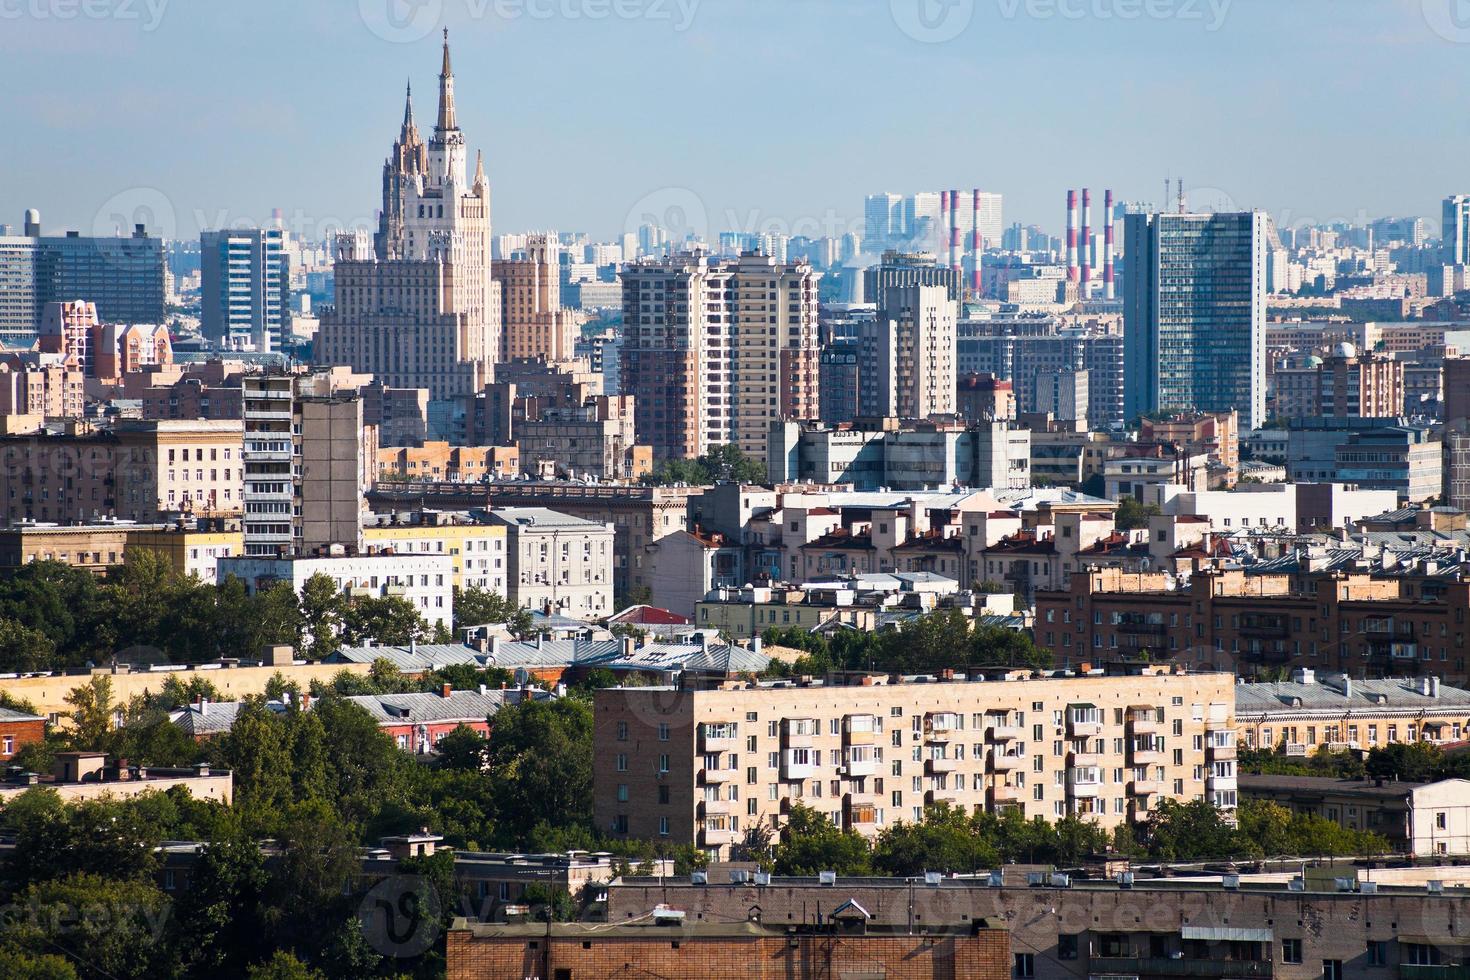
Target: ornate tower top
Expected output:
[446,92]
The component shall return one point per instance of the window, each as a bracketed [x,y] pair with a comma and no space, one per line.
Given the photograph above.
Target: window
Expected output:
[1291,950]
[1377,952]
[1440,817]
[1066,947]
[1332,970]
[663,826]
[1025,965]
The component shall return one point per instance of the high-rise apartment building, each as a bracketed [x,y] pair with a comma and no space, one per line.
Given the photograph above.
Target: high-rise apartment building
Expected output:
[246,279]
[1456,231]
[715,350]
[308,460]
[533,322]
[123,277]
[909,269]
[1195,312]
[417,306]
[906,362]
[702,767]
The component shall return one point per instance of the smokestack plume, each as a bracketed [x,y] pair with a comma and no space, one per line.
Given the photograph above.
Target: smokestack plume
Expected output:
[977,245]
[954,234]
[1071,236]
[1086,240]
[1109,291]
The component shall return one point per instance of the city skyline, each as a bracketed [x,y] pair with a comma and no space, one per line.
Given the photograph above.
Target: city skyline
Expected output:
[590,146]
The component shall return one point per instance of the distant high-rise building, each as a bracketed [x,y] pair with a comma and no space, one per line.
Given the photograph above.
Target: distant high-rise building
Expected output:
[907,354]
[123,277]
[1457,229]
[883,222]
[417,306]
[1195,312]
[713,351]
[533,322]
[246,279]
[909,269]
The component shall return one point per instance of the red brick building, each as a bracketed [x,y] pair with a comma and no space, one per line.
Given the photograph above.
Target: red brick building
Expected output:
[17,730]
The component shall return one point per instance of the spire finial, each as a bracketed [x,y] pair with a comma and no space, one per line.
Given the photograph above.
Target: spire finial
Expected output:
[446,70]
[446,91]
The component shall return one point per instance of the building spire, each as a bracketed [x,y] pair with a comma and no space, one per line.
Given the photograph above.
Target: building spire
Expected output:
[408,108]
[480,181]
[446,91]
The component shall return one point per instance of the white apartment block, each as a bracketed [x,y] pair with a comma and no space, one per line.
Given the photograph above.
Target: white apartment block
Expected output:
[556,562]
[424,580]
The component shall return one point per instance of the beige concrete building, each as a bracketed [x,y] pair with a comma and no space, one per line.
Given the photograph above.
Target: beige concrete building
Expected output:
[907,367]
[48,385]
[1423,819]
[597,439]
[703,766]
[533,323]
[439,462]
[476,550]
[714,351]
[88,776]
[557,563]
[192,549]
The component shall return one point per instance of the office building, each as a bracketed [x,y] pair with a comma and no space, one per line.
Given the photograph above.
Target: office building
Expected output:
[1194,313]
[122,276]
[1456,229]
[1021,349]
[906,269]
[558,564]
[246,282]
[702,767]
[417,306]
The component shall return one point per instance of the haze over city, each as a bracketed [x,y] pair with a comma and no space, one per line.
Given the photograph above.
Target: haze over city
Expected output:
[767,112]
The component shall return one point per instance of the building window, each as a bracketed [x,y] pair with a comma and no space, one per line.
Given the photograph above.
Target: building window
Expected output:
[1377,953]
[1291,950]
[1025,966]
[1066,947]
[1332,970]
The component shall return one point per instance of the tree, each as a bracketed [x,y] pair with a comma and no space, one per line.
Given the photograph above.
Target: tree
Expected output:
[110,927]
[24,649]
[540,754]
[464,749]
[91,714]
[322,609]
[476,606]
[811,844]
[945,840]
[1132,515]
[724,463]
[220,915]
[1194,830]
[283,966]
[392,619]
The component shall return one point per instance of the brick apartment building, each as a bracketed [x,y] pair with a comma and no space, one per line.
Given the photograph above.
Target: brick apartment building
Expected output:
[1228,620]
[17,730]
[674,949]
[704,766]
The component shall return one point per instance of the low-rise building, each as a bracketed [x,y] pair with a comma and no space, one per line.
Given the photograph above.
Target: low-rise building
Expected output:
[702,766]
[17,730]
[557,562]
[193,547]
[425,580]
[81,776]
[434,462]
[903,456]
[476,548]
[1422,819]
[1337,711]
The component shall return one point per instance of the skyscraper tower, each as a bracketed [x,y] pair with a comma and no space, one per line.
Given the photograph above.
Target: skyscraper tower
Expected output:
[419,307]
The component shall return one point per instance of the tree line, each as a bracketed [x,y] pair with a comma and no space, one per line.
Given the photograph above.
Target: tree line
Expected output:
[57,618]
[924,644]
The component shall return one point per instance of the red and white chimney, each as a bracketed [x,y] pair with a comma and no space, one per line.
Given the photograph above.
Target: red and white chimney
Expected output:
[1109,292]
[954,235]
[1086,240]
[941,231]
[1071,236]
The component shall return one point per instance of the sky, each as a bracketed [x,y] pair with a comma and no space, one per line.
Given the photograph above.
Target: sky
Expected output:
[753,115]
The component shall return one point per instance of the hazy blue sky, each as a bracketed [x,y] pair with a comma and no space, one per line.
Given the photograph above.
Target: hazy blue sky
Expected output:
[733,113]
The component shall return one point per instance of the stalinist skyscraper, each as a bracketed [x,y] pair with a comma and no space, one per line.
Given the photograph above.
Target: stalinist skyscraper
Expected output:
[416,305]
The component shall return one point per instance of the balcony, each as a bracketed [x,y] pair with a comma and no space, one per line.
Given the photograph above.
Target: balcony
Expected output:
[1003,793]
[1160,966]
[1437,971]
[1143,722]
[1216,783]
[717,838]
[861,767]
[1220,753]
[1087,757]
[936,796]
[1005,761]
[933,767]
[1084,784]
[1140,756]
[712,777]
[719,738]
[859,730]
[708,808]
[1001,732]
[941,727]
[1084,724]
[798,732]
[1146,787]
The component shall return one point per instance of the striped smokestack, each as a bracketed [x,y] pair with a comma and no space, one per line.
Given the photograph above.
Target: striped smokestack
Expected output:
[1086,240]
[1071,236]
[942,230]
[1109,292]
[954,234]
[977,245]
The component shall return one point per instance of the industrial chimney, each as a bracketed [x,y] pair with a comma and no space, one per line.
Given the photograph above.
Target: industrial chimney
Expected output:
[1109,290]
[1071,236]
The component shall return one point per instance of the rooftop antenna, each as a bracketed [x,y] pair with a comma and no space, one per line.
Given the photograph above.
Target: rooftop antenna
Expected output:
[1181,195]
